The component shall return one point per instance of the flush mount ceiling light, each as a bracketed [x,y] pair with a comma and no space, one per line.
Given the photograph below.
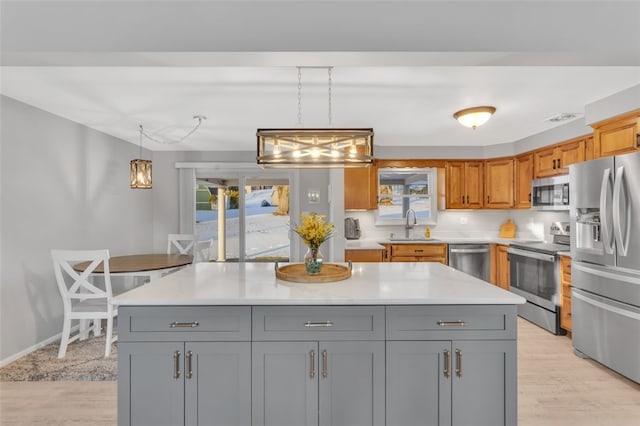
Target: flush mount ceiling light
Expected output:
[141,170]
[314,148]
[474,117]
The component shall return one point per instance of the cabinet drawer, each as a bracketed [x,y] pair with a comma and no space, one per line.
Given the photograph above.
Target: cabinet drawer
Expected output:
[419,250]
[178,323]
[318,323]
[451,322]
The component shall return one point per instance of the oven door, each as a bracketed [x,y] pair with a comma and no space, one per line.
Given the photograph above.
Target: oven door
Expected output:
[533,276]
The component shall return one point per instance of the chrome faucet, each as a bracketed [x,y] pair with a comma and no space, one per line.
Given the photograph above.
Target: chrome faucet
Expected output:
[408,226]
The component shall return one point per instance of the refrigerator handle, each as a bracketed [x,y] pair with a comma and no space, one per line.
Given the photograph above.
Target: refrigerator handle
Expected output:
[607,238]
[622,241]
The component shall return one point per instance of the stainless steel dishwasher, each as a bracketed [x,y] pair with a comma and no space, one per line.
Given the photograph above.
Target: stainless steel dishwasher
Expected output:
[473,259]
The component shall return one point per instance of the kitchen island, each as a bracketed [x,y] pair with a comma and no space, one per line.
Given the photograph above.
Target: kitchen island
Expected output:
[395,344]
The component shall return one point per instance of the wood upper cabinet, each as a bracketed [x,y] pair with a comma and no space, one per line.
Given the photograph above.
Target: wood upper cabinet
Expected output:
[360,187]
[465,184]
[499,183]
[619,135]
[589,149]
[555,160]
[524,175]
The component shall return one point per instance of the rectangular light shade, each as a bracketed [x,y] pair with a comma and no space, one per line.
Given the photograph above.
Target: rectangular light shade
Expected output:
[141,174]
[314,148]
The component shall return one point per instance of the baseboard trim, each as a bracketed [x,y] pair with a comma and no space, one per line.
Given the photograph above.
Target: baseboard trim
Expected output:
[35,347]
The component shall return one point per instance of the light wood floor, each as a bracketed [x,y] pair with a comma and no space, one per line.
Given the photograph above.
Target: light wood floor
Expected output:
[554,388]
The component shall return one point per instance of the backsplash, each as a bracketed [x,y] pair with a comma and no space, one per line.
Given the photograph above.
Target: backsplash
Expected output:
[530,224]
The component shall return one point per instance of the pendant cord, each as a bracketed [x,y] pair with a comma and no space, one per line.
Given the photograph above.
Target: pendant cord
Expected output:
[329,72]
[141,133]
[299,96]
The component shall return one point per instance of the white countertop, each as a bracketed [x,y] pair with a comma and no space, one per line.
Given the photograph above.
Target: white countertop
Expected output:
[383,283]
[376,243]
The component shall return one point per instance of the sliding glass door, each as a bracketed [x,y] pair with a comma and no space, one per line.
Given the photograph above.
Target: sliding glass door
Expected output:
[244,216]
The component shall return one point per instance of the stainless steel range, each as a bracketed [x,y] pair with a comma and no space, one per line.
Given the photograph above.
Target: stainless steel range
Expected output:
[535,275]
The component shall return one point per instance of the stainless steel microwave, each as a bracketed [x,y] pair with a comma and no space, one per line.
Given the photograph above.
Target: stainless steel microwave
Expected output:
[550,193]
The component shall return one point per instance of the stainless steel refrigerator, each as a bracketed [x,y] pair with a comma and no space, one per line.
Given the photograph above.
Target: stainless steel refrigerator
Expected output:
[605,268]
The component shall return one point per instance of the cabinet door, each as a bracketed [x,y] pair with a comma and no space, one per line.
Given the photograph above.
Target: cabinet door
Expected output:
[150,384]
[524,174]
[484,390]
[589,149]
[418,384]
[499,184]
[502,267]
[569,153]
[474,182]
[360,187]
[455,185]
[544,163]
[284,384]
[218,384]
[617,137]
[352,383]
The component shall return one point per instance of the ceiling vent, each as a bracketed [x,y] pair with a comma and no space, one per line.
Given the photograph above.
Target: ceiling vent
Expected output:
[563,116]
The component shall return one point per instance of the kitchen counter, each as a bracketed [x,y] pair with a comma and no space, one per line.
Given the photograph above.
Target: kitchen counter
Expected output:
[384,283]
[377,243]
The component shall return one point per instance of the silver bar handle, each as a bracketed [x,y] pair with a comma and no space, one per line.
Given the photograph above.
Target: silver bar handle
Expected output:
[531,254]
[465,251]
[622,241]
[604,208]
[324,365]
[452,323]
[177,324]
[447,363]
[458,363]
[310,324]
[312,364]
[176,365]
[188,371]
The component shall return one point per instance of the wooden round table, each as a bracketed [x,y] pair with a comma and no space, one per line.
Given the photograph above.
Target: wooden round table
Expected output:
[150,265]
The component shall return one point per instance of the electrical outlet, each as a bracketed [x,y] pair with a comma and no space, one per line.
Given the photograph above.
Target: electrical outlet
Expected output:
[464,220]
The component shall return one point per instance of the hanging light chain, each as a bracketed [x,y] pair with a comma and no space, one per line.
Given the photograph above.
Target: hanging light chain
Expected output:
[192,131]
[299,96]
[141,133]
[329,72]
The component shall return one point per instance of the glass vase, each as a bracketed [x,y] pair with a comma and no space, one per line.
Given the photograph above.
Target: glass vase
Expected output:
[313,261]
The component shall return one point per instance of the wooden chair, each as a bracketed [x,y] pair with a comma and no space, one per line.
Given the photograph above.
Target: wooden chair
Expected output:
[81,299]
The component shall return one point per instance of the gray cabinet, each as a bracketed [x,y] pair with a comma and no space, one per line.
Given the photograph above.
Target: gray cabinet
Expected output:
[318,365]
[470,379]
[176,382]
[318,383]
[451,383]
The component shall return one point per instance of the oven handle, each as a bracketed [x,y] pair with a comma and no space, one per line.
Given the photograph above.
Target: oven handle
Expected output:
[469,251]
[532,254]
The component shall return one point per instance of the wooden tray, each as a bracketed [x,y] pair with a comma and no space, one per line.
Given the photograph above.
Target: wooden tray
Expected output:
[297,273]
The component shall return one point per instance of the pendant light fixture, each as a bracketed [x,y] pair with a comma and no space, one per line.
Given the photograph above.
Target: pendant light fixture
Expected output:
[474,117]
[314,147]
[141,170]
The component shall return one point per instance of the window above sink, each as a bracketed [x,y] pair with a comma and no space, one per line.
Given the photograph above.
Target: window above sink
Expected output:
[404,189]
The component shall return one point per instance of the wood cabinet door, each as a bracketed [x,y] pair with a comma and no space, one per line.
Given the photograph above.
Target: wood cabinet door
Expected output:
[499,184]
[418,383]
[284,383]
[351,383]
[544,163]
[502,267]
[455,185]
[150,383]
[474,183]
[360,188]
[524,175]
[217,384]
[617,137]
[569,153]
[589,149]
[363,255]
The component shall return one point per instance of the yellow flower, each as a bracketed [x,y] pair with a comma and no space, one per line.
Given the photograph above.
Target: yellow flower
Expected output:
[314,229]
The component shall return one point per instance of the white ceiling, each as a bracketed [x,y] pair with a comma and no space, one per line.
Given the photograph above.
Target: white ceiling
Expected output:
[407,97]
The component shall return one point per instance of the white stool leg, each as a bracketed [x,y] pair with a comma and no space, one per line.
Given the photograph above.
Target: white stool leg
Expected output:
[83,332]
[97,327]
[107,349]
[64,340]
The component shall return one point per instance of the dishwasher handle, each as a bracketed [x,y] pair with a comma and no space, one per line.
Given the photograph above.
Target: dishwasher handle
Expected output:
[469,251]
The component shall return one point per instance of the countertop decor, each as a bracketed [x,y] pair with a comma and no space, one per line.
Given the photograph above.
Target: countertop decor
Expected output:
[297,273]
[314,230]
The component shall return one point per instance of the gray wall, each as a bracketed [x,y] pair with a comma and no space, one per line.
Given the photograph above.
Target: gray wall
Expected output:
[63,186]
